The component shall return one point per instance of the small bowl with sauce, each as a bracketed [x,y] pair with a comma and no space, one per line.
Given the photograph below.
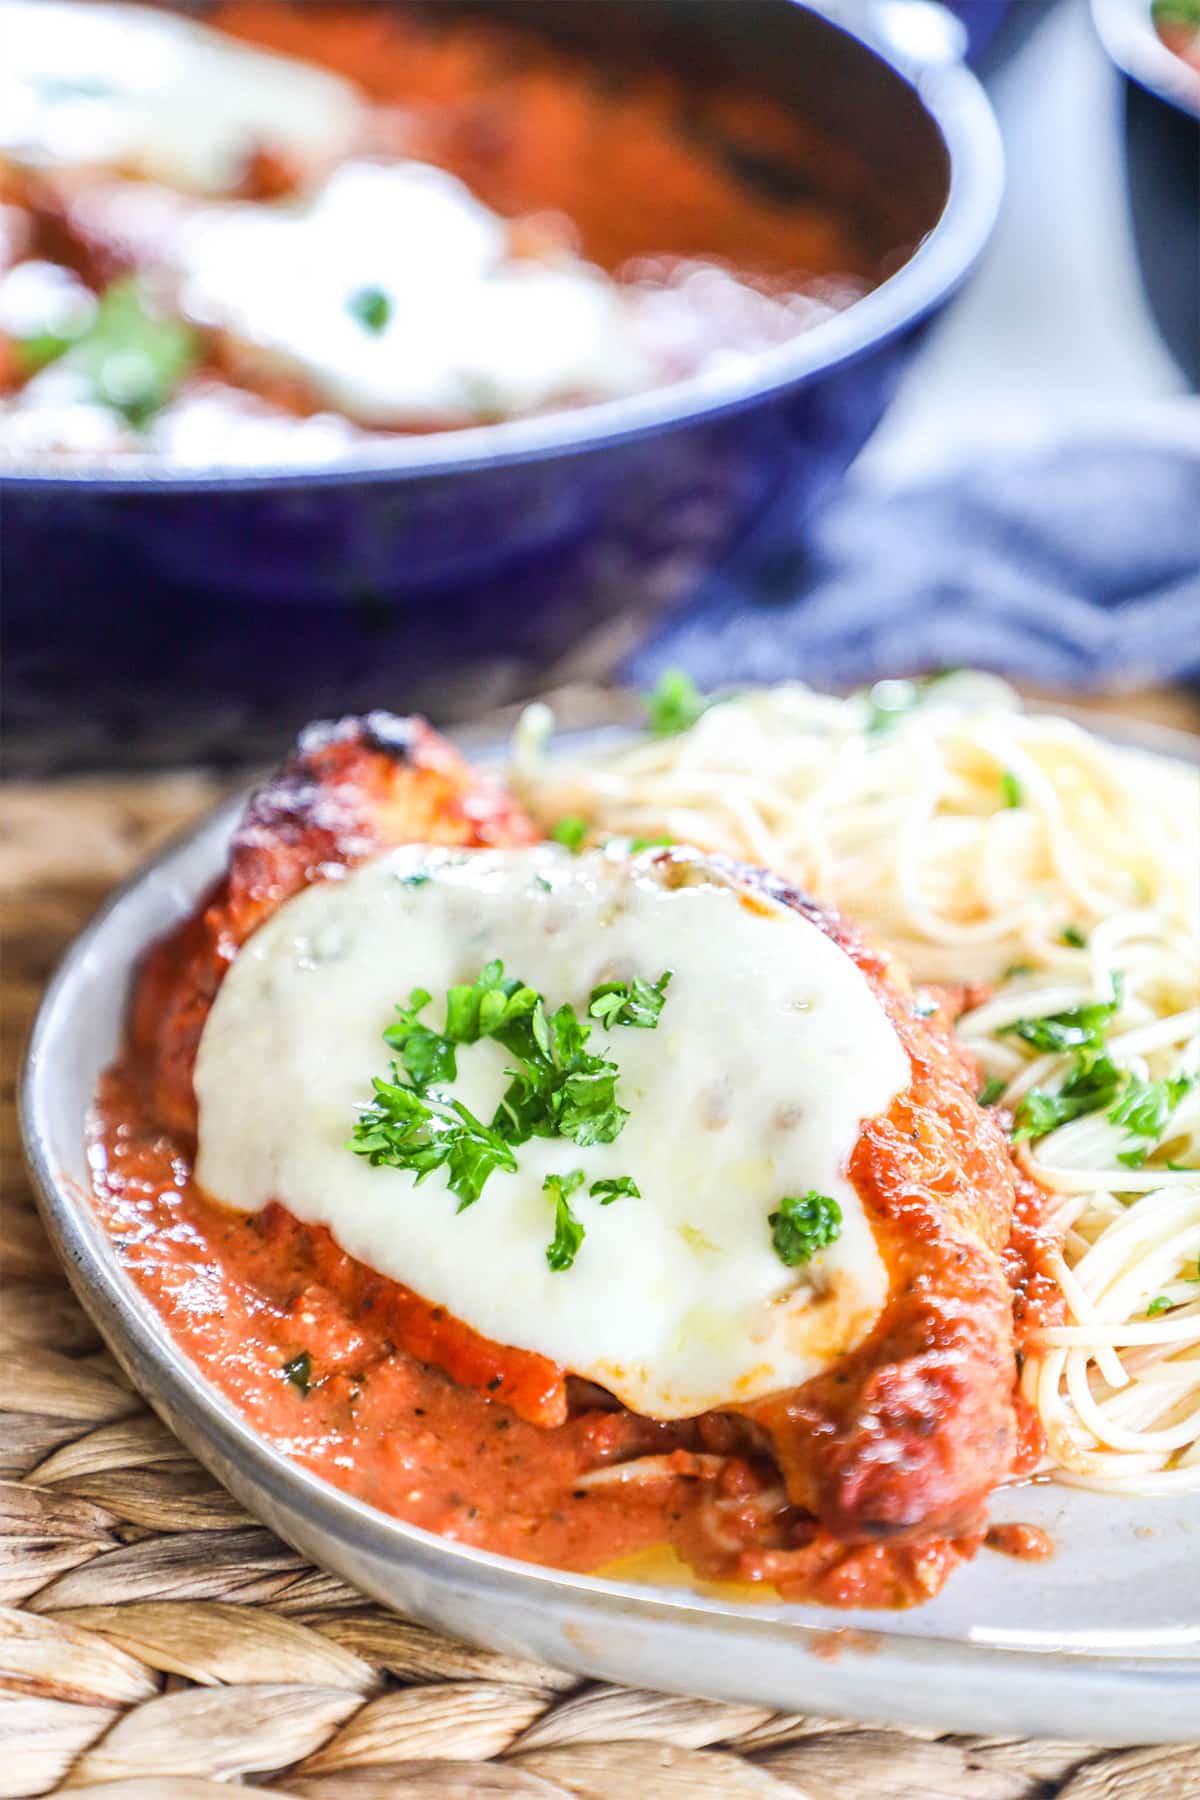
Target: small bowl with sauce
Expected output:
[1157,44]
[723,228]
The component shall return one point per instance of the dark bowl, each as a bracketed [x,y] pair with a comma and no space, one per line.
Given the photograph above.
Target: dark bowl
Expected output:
[154,614]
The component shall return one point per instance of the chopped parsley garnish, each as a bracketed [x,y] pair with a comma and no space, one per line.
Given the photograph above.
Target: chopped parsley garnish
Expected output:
[1160,1305]
[1095,1083]
[1017,969]
[299,1372]
[662,842]
[371,306]
[1078,1028]
[1072,935]
[1092,1084]
[489,1007]
[427,1055]
[801,1227]
[570,832]
[1011,789]
[991,1091]
[403,1129]
[618,1187]
[637,1002]
[1145,1107]
[568,1232]
[557,1087]
[675,704]
[131,357]
[418,878]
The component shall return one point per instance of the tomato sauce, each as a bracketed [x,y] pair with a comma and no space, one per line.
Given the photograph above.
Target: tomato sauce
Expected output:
[526,126]
[865,1487]
[388,1398]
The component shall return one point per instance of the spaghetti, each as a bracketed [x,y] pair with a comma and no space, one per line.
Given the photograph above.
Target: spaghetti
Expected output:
[1018,852]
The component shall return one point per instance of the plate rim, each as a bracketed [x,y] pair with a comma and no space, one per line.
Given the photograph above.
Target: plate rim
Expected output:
[1087,1679]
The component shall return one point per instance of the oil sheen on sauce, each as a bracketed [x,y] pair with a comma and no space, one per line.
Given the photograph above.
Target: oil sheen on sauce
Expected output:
[770,1051]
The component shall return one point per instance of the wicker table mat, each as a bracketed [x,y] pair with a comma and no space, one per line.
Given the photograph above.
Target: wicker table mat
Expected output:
[155,1642]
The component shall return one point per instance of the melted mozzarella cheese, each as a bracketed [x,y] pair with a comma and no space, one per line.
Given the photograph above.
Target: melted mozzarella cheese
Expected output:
[147,92]
[470,331]
[769,1053]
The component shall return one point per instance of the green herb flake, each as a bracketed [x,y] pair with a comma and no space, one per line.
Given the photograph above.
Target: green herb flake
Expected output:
[372,307]
[570,832]
[418,878]
[636,1003]
[1161,1304]
[557,1086]
[1092,1085]
[568,1232]
[1072,935]
[131,356]
[662,842]
[1077,1028]
[675,704]
[620,1187]
[1145,1107]
[991,1091]
[403,1129]
[299,1372]
[1011,790]
[801,1227]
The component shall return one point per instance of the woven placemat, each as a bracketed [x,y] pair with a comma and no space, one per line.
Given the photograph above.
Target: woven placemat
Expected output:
[156,1643]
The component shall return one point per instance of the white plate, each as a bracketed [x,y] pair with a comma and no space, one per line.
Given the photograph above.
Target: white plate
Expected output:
[1100,1644]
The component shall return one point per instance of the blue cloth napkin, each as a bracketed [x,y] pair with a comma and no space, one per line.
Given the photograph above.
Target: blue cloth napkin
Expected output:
[1070,568]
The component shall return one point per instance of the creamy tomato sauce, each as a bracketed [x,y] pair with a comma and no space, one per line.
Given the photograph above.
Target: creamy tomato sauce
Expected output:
[389,1398]
[247,1295]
